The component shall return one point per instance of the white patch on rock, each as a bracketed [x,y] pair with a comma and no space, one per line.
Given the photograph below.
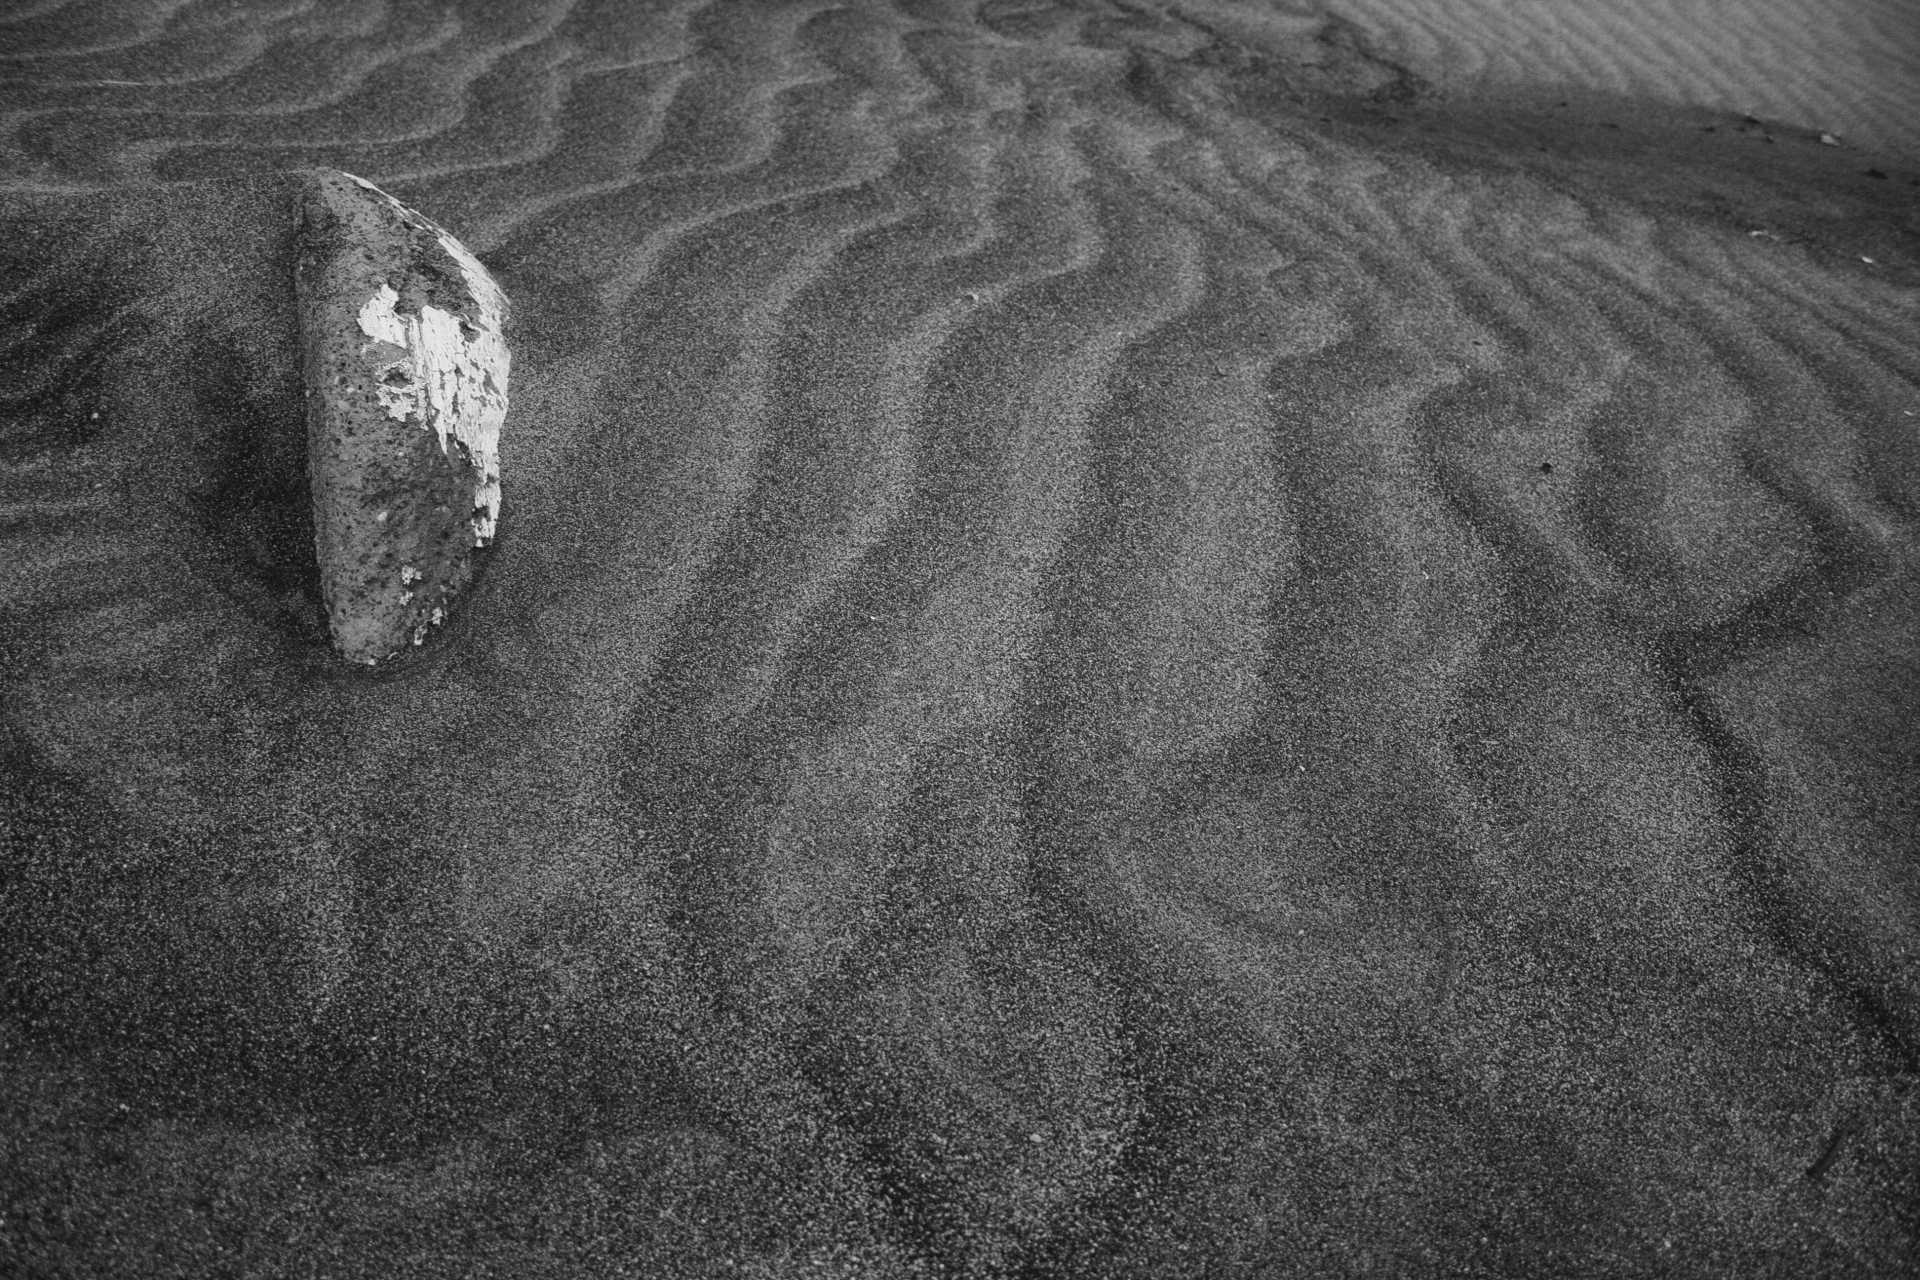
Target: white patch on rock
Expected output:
[448,373]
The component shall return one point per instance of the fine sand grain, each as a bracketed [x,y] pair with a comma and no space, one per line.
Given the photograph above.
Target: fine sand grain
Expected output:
[1125,642]
[1846,67]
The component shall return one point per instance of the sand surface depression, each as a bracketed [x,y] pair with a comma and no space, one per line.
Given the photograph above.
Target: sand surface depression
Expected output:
[1128,639]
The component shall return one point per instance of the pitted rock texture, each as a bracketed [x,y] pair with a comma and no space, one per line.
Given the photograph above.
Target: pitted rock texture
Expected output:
[405,366]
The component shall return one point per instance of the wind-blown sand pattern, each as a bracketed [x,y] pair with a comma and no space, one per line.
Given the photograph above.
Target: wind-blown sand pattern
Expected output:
[1849,68]
[1125,646]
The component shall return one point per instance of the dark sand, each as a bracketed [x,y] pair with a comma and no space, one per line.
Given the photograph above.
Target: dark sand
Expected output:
[1124,645]
[1849,67]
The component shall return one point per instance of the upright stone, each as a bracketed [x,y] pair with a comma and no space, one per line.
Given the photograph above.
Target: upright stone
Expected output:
[405,366]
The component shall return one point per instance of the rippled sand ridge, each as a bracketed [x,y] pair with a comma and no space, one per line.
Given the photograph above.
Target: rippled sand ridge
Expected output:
[1128,639]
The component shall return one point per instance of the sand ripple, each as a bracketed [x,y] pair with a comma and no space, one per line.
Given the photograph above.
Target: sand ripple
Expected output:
[1123,645]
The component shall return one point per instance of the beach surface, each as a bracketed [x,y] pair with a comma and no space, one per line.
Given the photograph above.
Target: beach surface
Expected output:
[1127,639]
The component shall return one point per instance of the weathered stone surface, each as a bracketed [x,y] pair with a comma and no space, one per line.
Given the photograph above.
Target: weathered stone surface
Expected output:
[405,366]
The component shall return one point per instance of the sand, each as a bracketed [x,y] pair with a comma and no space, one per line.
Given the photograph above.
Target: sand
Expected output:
[1851,68]
[1128,640]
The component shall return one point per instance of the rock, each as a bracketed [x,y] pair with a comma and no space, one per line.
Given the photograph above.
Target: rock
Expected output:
[405,366]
